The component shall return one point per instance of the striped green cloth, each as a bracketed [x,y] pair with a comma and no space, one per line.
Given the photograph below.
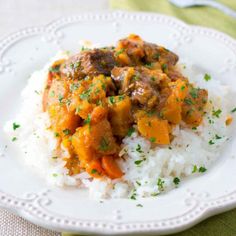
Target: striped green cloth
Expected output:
[205,16]
[223,224]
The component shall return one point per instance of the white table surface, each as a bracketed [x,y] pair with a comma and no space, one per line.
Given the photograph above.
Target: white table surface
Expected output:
[18,14]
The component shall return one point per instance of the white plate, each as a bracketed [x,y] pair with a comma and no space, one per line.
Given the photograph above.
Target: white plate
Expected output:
[70,209]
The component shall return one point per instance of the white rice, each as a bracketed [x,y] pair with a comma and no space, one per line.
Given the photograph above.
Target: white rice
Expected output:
[160,165]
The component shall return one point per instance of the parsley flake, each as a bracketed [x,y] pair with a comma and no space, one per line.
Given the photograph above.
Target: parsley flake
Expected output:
[15,126]
[152,139]
[194,169]
[233,110]
[176,180]
[138,162]
[207,77]
[66,131]
[104,145]
[216,113]
[202,169]
[160,184]
[130,131]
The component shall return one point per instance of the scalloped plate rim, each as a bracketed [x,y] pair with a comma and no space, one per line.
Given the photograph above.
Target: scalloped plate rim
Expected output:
[207,212]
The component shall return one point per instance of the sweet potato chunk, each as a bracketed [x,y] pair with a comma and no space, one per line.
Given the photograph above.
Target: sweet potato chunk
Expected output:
[193,106]
[63,122]
[80,142]
[120,114]
[94,140]
[173,107]
[154,129]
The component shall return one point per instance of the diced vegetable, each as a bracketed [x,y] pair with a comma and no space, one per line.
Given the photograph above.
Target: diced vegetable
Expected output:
[111,167]
[173,107]
[154,129]
[120,115]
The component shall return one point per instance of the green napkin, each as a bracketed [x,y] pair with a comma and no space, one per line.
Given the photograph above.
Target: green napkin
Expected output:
[223,224]
[205,16]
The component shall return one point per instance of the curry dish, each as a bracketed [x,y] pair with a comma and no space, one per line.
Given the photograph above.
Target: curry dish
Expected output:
[99,96]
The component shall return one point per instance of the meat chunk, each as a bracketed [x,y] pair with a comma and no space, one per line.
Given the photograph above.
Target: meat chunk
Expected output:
[154,53]
[134,51]
[89,62]
[140,83]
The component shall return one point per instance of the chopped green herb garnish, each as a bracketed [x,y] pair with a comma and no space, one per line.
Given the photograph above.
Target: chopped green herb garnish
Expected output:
[216,113]
[194,128]
[121,98]
[188,101]
[130,131]
[156,56]
[56,134]
[135,78]
[160,184]
[217,136]
[138,183]
[150,113]
[54,69]
[54,175]
[77,110]
[74,87]
[119,51]
[37,92]
[139,205]
[194,92]
[111,100]
[138,162]
[88,120]
[149,65]
[85,94]
[164,67]
[104,145]
[182,88]
[153,78]
[94,171]
[66,131]
[15,126]
[194,169]
[202,169]
[60,98]
[104,86]
[154,194]
[152,139]
[207,77]
[176,180]
[52,94]
[233,110]
[84,48]
[211,142]
[139,148]
[14,139]
[55,157]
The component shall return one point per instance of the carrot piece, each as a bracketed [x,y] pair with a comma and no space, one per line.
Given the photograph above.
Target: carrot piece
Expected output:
[111,167]
[229,120]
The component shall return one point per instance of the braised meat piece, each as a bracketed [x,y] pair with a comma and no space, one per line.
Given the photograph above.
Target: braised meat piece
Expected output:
[134,51]
[140,83]
[154,53]
[89,63]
